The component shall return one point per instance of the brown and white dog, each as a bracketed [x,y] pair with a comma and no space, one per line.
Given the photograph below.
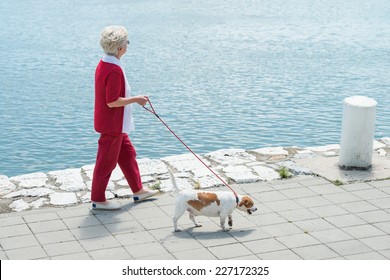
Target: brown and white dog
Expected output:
[212,204]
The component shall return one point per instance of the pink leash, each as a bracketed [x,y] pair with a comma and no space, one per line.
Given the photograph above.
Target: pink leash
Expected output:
[151,110]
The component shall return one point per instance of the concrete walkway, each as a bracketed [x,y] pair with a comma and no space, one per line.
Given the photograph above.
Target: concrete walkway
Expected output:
[301,218]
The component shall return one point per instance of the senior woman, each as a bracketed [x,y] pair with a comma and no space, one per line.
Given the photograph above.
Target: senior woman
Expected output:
[113,120]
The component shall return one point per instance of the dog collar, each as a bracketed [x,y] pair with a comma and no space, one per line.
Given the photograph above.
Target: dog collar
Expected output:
[237,199]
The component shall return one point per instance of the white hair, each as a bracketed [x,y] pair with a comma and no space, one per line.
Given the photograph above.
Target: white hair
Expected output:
[112,38]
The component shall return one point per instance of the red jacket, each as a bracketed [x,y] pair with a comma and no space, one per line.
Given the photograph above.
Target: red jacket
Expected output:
[109,86]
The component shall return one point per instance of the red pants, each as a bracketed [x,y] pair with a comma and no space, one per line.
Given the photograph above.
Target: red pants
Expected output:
[114,150]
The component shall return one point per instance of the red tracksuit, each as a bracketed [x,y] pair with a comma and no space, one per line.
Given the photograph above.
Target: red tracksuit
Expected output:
[114,147]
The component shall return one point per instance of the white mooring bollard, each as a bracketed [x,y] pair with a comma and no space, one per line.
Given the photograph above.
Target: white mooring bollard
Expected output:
[357,133]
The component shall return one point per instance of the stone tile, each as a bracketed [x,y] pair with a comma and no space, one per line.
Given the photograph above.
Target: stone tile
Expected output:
[82,221]
[65,248]
[314,201]
[165,200]
[349,247]
[55,237]
[282,229]
[383,203]
[134,238]
[345,220]
[375,216]
[261,209]
[155,223]
[328,210]
[169,210]
[363,231]
[14,230]
[77,211]
[366,256]
[344,197]
[230,251]
[243,258]
[298,215]
[47,226]
[160,257]
[40,217]
[176,244]
[297,240]
[358,206]
[314,181]
[29,253]
[280,255]
[264,246]
[270,196]
[124,227]
[370,194]
[162,234]
[278,185]
[90,232]
[11,221]
[148,213]
[111,217]
[384,226]
[380,184]
[356,187]
[241,222]
[378,243]
[268,219]
[99,243]
[386,190]
[283,205]
[215,239]
[326,189]
[16,242]
[331,235]
[316,252]
[197,254]
[76,256]
[249,234]
[146,250]
[254,188]
[385,253]
[207,227]
[298,193]
[313,225]
[110,254]
[3,256]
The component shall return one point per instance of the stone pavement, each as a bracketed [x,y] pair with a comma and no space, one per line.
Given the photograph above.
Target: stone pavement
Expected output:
[305,217]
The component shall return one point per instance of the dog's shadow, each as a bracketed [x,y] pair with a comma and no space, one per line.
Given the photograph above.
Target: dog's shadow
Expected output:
[212,234]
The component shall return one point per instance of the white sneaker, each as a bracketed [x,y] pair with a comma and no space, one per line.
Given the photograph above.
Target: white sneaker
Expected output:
[108,205]
[143,196]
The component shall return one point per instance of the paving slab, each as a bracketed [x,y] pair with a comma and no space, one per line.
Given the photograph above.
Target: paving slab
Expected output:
[327,167]
[325,222]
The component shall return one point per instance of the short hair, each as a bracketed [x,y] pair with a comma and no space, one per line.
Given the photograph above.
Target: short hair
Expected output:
[112,38]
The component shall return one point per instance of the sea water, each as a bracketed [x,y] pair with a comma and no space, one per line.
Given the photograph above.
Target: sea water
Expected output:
[221,73]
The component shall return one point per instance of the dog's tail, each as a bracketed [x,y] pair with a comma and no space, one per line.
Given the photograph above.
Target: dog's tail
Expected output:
[175,187]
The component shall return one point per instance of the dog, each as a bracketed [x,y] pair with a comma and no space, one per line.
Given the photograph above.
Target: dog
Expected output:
[212,204]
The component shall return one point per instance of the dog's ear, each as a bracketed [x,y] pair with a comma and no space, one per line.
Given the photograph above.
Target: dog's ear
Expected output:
[243,201]
[246,201]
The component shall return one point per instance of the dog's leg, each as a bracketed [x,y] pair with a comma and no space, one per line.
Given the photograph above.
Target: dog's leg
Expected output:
[223,220]
[192,217]
[230,221]
[179,211]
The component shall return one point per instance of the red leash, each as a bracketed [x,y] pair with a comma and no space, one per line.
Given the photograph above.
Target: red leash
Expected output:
[151,110]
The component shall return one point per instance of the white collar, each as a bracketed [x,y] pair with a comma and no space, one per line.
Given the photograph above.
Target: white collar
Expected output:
[112,59]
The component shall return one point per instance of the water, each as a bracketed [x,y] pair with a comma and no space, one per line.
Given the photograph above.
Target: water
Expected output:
[221,73]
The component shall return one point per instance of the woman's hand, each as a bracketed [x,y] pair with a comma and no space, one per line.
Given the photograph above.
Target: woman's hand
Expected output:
[141,99]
